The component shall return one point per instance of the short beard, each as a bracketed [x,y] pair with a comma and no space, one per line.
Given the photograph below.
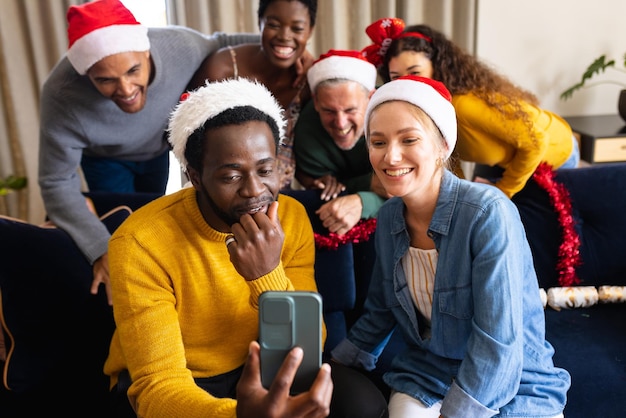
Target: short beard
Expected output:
[225,217]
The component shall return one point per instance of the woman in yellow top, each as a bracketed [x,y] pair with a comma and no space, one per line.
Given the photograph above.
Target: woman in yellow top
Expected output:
[499,124]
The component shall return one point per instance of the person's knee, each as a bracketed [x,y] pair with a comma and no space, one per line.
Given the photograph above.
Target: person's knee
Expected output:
[355,396]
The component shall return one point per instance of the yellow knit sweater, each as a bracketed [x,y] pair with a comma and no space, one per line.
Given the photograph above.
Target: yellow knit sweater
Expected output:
[182,310]
[485,136]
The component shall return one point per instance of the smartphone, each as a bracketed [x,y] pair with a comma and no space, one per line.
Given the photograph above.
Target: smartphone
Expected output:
[288,319]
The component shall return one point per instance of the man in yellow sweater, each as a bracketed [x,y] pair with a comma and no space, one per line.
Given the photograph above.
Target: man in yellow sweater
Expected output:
[188,268]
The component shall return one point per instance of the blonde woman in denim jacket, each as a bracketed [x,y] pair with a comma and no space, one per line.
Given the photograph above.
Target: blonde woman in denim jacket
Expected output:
[454,274]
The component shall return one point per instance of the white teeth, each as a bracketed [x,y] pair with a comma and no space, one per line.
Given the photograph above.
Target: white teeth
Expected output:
[130,99]
[255,210]
[283,50]
[345,131]
[399,172]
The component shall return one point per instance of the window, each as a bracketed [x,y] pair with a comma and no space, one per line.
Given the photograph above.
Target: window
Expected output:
[150,13]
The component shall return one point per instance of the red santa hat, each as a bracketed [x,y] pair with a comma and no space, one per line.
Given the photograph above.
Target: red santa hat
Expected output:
[340,64]
[206,102]
[101,28]
[429,95]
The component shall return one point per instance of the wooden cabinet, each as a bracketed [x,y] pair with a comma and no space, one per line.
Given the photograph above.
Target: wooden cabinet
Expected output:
[602,137]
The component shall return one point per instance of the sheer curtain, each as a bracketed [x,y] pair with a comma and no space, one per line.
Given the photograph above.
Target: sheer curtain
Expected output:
[340,23]
[33,38]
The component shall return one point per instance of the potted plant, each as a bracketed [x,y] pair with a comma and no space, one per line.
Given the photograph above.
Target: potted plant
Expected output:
[12,183]
[599,65]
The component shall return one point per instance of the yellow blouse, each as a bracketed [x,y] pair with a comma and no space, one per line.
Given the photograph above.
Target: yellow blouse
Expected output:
[485,136]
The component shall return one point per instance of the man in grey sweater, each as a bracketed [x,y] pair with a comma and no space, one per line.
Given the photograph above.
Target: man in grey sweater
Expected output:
[105,107]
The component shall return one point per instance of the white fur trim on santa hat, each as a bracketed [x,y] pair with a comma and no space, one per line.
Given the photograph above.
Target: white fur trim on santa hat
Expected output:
[342,67]
[423,96]
[210,100]
[109,40]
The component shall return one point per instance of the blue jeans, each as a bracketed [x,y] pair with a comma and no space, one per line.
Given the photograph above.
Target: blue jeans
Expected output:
[574,157]
[494,173]
[120,176]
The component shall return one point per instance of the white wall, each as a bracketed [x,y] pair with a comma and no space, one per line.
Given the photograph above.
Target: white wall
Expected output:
[546,45]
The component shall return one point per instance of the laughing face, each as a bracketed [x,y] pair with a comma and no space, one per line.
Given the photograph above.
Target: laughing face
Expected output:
[123,78]
[285,30]
[238,173]
[341,107]
[405,147]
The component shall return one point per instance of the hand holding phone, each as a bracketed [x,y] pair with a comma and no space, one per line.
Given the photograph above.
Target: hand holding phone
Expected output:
[253,400]
[288,319]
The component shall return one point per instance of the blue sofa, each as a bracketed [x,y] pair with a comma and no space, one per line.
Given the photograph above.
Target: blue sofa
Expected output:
[56,332]
[65,330]
[589,342]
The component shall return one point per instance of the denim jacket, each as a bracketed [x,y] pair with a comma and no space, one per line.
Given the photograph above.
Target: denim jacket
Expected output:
[485,353]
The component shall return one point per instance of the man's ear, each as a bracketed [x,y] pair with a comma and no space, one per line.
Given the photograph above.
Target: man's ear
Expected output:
[194,176]
[314,99]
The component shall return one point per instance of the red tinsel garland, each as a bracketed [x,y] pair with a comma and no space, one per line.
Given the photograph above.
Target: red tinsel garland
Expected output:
[569,250]
[359,233]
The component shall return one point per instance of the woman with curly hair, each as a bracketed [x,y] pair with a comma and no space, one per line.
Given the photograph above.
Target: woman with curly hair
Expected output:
[500,124]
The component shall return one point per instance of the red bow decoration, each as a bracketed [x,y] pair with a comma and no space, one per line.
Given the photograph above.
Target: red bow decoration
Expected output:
[382,33]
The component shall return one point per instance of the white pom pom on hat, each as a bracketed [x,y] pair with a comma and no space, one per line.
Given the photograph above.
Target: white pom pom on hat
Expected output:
[102,28]
[429,95]
[342,64]
[208,101]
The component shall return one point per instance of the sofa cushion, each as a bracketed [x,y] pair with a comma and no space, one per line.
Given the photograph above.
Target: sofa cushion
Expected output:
[598,207]
[50,319]
[590,344]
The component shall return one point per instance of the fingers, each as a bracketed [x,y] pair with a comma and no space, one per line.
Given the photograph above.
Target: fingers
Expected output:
[287,372]
[252,368]
[332,191]
[230,239]
[322,387]
[318,184]
[259,227]
[272,212]
[101,275]
[316,402]
[253,400]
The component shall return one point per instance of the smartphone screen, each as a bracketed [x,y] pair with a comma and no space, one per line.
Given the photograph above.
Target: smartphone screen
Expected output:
[288,319]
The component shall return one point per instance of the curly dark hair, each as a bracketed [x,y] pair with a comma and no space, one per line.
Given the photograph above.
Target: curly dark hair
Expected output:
[194,150]
[462,73]
[310,4]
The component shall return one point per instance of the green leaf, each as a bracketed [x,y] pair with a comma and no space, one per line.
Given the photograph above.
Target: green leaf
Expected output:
[12,183]
[567,94]
[16,183]
[599,65]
